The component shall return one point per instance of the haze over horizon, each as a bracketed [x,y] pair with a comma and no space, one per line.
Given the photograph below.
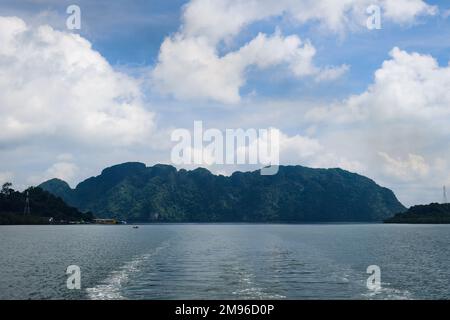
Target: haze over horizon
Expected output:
[374,102]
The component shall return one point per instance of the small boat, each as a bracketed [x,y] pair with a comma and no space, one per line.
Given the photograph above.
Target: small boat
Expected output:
[135,227]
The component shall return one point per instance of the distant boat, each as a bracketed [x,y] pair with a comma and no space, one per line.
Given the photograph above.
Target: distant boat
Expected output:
[135,227]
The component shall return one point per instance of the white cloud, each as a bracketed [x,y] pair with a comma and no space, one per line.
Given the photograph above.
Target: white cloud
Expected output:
[398,127]
[409,86]
[409,169]
[65,157]
[332,73]
[66,171]
[10,28]
[405,11]
[293,150]
[63,170]
[190,67]
[53,85]
[6,177]
[310,152]
[219,19]
[59,95]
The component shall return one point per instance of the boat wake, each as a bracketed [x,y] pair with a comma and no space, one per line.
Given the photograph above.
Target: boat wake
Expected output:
[249,290]
[111,287]
[387,294]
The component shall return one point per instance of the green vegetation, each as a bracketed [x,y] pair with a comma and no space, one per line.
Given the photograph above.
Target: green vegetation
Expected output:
[433,213]
[43,205]
[134,192]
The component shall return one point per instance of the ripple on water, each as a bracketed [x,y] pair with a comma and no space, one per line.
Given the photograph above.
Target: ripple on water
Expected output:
[111,287]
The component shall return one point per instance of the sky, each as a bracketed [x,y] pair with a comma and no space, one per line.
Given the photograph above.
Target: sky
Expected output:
[371,101]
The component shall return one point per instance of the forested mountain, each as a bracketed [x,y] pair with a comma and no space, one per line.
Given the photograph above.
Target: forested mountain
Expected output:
[134,192]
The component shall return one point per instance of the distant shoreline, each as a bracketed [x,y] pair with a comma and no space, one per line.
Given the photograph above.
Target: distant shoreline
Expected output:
[233,223]
[434,213]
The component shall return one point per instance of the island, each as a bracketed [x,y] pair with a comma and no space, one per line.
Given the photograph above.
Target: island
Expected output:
[162,193]
[433,213]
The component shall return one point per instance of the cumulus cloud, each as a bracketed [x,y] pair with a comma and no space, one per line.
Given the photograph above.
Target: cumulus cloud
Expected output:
[405,11]
[332,73]
[408,86]
[57,95]
[190,66]
[398,126]
[409,169]
[255,149]
[64,170]
[53,85]
[219,19]
[298,149]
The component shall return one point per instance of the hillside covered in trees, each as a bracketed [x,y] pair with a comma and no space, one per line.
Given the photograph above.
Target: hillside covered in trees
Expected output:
[161,193]
[45,208]
[433,213]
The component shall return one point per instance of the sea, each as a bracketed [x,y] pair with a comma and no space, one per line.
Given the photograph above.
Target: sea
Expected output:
[225,261]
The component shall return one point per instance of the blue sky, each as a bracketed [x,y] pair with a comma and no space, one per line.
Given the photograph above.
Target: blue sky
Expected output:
[129,34]
[356,103]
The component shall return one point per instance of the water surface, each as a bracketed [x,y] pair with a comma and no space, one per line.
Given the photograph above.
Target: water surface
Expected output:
[225,261]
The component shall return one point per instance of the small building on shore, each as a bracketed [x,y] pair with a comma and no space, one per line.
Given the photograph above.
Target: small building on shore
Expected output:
[106,221]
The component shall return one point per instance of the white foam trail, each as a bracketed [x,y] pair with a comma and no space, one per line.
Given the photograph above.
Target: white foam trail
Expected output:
[388,294]
[250,290]
[111,287]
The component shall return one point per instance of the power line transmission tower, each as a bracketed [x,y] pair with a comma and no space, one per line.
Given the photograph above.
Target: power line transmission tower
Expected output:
[27,209]
[445,195]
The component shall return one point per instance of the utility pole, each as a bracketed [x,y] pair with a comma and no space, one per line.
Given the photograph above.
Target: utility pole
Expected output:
[27,210]
[445,195]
